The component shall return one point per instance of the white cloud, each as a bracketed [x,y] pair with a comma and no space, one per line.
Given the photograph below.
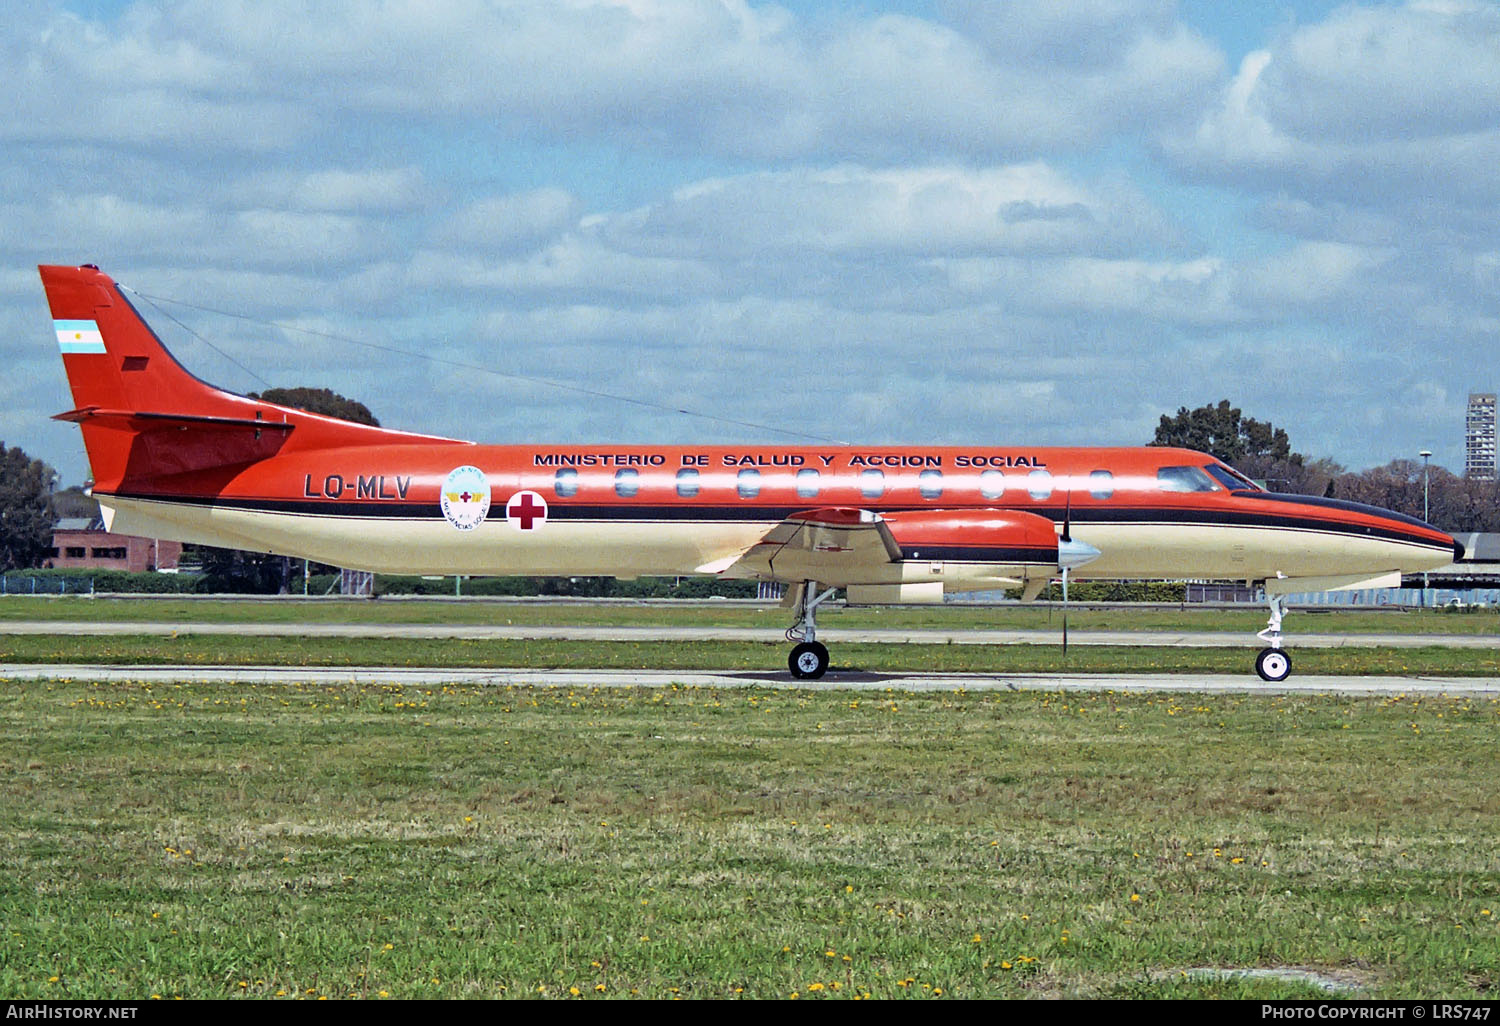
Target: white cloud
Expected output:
[1375,106]
[719,76]
[516,221]
[337,190]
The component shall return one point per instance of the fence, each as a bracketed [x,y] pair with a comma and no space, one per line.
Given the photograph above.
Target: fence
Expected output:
[10,585]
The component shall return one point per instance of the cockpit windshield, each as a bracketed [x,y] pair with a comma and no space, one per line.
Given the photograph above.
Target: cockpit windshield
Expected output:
[1232,479]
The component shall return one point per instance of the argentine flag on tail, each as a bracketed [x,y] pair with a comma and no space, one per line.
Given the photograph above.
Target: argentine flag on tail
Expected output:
[79,337]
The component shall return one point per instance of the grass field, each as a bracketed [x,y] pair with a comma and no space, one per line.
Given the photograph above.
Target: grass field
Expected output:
[309,841]
[735,614]
[231,650]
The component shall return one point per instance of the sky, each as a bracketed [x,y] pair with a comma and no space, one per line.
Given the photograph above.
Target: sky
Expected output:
[941,222]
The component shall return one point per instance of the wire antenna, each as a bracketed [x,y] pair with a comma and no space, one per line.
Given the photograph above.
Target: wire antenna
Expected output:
[529,379]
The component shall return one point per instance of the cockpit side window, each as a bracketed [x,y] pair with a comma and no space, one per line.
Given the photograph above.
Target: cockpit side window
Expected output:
[1183,479]
[1231,478]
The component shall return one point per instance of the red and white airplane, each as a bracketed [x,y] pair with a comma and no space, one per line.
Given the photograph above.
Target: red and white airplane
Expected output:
[174,457]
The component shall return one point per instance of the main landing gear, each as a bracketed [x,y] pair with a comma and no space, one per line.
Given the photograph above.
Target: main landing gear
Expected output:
[809,658]
[1273,664]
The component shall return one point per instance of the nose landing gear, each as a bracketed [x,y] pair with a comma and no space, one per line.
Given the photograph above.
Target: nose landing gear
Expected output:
[1273,664]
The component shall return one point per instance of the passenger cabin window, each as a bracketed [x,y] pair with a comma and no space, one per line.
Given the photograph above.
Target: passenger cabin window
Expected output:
[930,484]
[627,483]
[992,484]
[565,484]
[687,483]
[872,483]
[1101,484]
[748,483]
[1039,484]
[1183,479]
[808,485]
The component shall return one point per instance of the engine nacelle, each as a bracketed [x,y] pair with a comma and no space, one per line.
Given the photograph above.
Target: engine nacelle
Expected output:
[1000,536]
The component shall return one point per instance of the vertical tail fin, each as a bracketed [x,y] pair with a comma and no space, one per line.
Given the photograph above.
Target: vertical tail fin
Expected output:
[146,420]
[113,358]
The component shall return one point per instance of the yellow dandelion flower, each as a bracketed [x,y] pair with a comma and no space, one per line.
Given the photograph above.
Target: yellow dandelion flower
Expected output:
[599,988]
[814,986]
[1135,897]
[574,991]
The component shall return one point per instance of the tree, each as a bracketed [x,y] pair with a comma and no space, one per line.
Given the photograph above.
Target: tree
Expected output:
[1258,449]
[26,517]
[1453,503]
[320,400]
[74,502]
[1221,431]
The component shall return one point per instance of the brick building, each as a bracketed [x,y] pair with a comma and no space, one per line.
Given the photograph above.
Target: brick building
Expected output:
[83,542]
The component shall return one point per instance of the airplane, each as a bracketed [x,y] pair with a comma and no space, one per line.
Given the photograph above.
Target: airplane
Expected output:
[174,457]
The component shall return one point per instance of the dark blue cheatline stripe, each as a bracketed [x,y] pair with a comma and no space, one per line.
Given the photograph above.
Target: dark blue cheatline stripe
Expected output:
[981,553]
[772,515]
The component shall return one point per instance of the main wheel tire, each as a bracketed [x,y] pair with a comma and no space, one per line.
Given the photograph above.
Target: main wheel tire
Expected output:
[1273,665]
[808,661]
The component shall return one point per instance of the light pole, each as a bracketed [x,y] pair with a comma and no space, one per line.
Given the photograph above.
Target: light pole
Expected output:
[1426,454]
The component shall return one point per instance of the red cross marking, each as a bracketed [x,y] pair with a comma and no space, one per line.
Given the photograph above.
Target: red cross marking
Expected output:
[526,510]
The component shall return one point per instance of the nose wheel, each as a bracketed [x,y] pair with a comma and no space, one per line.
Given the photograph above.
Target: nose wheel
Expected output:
[1273,665]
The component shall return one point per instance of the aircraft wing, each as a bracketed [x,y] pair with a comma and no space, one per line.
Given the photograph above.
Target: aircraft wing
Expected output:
[835,543]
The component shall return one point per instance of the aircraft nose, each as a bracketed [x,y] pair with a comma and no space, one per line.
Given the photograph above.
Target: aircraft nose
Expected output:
[1458,550]
[1071,553]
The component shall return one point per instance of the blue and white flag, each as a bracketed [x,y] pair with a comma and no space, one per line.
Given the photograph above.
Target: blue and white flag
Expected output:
[79,337]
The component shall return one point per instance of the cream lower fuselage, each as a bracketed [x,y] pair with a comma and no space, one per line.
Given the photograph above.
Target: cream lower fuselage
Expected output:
[622,546]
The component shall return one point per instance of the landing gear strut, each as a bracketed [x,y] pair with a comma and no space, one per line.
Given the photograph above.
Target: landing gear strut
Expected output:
[809,659]
[1273,664]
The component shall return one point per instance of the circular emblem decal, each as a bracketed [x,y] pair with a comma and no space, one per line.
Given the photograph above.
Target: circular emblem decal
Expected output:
[526,511]
[465,498]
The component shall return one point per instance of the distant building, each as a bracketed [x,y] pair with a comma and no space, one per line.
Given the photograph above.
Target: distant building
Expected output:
[1479,437]
[83,542]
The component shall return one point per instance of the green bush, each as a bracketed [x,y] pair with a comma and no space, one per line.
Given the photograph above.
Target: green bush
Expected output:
[1118,591]
[568,587]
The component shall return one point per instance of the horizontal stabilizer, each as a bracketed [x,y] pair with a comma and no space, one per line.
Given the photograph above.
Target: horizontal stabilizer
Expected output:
[140,420]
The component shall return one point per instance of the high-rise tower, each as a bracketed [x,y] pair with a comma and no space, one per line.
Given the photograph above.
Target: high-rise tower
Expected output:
[1479,437]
